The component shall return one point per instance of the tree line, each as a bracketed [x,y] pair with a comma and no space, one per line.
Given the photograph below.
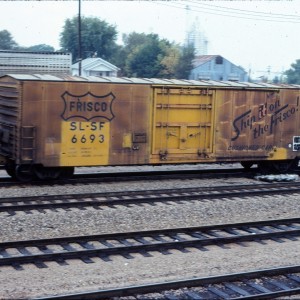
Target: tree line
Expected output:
[141,55]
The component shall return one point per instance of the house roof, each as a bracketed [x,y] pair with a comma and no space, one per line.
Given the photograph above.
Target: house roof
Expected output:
[90,64]
[202,59]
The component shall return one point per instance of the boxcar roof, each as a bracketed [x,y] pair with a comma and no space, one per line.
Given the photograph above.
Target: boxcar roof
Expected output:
[150,81]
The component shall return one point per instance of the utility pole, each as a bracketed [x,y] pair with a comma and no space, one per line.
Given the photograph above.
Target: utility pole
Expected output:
[79,38]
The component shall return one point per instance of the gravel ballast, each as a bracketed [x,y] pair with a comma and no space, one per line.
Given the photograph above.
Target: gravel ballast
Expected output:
[78,276]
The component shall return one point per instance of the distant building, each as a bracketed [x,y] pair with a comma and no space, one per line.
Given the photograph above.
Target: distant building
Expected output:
[22,62]
[216,67]
[196,37]
[95,67]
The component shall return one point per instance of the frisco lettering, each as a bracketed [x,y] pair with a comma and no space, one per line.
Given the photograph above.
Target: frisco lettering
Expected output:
[87,106]
[247,120]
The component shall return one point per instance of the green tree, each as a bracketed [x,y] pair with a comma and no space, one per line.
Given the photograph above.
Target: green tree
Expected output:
[170,61]
[293,74]
[97,37]
[145,60]
[6,41]
[144,55]
[125,52]
[185,65]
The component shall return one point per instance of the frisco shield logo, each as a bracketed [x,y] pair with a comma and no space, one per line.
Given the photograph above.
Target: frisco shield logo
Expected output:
[87,106]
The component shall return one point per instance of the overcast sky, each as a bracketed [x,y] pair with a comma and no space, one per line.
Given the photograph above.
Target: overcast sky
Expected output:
[257,35]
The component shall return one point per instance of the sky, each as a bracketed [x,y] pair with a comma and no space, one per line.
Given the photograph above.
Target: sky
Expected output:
[259,35]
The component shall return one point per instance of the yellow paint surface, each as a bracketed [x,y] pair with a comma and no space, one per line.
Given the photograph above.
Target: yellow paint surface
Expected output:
[278,154]
[84,143]
[127,140]
[183,121]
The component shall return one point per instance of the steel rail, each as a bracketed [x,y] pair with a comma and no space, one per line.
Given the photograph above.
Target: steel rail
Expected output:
[9,204]
[275,282]
[144,242]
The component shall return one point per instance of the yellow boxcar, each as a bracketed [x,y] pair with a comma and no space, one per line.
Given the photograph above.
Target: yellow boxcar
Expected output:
[49,125]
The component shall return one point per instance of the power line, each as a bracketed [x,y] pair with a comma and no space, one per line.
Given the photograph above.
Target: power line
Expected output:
[231,14]
[242,11]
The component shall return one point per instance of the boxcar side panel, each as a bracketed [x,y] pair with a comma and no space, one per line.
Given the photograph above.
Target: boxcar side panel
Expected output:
[85,117]
[87,123]
[256,124]
[130,128]
[183,124]
[41,108]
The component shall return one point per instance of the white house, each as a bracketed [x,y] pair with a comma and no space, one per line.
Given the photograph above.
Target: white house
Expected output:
[95,67]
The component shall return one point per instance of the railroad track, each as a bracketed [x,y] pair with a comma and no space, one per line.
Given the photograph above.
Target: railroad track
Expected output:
[105,246]
[259,284]
[83,178]
[98,200]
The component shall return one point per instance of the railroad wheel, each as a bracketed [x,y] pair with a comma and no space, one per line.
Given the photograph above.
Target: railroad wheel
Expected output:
[46,172]
[24,173]
[66,172]
[247,164]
